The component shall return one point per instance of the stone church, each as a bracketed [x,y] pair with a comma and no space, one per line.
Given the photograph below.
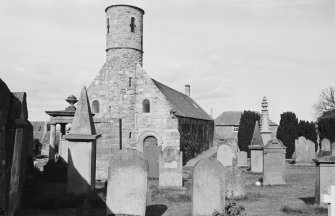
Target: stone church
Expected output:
[132,109]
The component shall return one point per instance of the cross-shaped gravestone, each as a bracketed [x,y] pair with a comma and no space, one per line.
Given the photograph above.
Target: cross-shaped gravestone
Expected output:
[330,200]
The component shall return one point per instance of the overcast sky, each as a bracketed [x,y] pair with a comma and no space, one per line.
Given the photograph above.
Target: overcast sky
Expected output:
[231,52]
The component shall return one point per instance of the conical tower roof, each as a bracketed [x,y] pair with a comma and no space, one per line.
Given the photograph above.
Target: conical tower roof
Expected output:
[83,121]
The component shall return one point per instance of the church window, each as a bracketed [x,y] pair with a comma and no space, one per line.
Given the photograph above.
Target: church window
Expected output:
[95,107]
[129,135]
[132,24]
[108,26]
[146,106]
[129,82]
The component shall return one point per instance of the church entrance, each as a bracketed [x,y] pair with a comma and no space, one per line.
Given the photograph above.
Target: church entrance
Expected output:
[151,151]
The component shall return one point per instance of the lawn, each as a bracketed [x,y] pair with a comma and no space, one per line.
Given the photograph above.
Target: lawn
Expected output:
[294,198]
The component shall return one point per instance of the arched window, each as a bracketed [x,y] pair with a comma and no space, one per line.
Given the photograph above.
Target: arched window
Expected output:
[146,106]
[95,107]
[132,24]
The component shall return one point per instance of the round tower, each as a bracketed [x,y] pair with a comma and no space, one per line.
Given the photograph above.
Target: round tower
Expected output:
[124,33]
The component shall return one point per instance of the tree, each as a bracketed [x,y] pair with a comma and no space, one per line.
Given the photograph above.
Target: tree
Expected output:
[326,128]
[308,130]
[326,102]
[288,131]
[246,129]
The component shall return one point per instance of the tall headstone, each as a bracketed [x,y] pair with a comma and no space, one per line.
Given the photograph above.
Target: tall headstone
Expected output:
[127,183]
[235,182]
[208,187]
[256,151]
[274,163]
[81,149]
[232,142]
[325,144]
[304,152]
[242,159]
[225,155]
[170,168]
[311,150]
[265,129]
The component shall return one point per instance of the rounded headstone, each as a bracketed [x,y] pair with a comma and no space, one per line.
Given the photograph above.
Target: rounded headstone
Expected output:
[225,155]
[208,187]
[127,183]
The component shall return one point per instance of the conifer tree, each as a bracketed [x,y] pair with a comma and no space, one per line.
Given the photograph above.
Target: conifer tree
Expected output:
[288,131]
[307,129]
[246,129]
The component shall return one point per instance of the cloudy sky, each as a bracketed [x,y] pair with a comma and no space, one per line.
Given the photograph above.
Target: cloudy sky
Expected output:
[231,52]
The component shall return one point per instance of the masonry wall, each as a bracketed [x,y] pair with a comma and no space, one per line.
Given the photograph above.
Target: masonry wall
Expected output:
[159,122]
[16,140]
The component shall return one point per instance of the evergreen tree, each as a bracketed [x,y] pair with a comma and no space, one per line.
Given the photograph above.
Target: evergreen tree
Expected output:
[307,129]
[246,129]
[326,128]
[288,131]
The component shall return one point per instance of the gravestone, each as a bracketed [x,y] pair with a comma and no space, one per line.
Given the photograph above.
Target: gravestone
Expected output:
[235,182]
[274,163]
[311,150]
[232,142]
[325,144]
[170,168]
[208,187]
[151,151]
[304,152]
[127,183]
[256,151]
[329,199]
[332,149]
[325,176]
[81,143]
[242,159]
[225,155]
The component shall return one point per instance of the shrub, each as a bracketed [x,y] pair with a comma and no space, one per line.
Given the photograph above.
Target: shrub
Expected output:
[288,131]
[246,129]
[232,209]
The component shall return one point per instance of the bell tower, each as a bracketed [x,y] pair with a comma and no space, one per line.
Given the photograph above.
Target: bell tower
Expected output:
[124,33]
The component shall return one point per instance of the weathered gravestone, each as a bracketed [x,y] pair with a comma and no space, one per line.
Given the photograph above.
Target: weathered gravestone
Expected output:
[208,188]
[325,176]
[81,149]
[325,144]
[232,142]
[127,183]
[242,159]
[225,155]
[304,152]
[311,150]
[274,163]
[256,151]
[332,149]
[235,182]
[170,168]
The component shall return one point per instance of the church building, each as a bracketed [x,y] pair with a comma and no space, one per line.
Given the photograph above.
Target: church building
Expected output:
[132,109]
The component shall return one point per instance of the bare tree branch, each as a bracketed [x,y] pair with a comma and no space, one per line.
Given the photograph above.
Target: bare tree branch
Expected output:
[326,102]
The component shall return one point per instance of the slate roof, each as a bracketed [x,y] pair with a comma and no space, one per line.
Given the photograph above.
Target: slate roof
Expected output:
[232,118]
[182,104]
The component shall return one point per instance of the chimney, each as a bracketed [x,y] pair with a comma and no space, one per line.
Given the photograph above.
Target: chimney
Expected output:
[188,90]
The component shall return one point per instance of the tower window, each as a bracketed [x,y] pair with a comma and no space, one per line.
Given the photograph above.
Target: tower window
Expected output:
[129,82]
[146,106]
[108,26]
[95,107]
[129,135]
[132,24]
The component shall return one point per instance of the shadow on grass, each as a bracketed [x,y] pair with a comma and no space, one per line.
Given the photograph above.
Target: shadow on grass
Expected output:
[308,200]
[288,210]
[155,210]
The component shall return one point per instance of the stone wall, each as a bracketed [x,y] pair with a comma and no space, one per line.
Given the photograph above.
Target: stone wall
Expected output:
[16,144]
